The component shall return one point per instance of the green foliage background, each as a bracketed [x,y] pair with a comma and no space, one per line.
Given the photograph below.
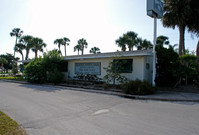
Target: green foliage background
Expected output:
[45,69]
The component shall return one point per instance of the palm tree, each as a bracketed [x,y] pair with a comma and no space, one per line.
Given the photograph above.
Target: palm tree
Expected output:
[77,48]
[139,43]
[82,42]
[193,24]
[26,40]
[37,45]
[131,39]
[19,48]
[59,42]
[16,32]
[179,13]
[95,50]
[162,40]
[121,42]
[65,42]
[145,44]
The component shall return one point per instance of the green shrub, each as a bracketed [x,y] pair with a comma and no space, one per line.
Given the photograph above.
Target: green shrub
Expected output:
[88,77]
[55,76]
[167,66]
[35,72]
[138,87]
[188,69]
[45,69]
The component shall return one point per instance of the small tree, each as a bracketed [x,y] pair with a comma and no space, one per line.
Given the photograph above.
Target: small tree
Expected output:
[2,62]
[11,61]
[113,72]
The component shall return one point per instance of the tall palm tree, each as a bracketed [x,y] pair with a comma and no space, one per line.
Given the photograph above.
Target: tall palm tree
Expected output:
[176,14]
[128,39]
[16,32]
[19,48]
[77,48]
[26,40]
[59,42]
[65,42]
[121,42]
[162,40]
[82,42]
[131,39]
[146,45]
[37,45]
[95,50]
[193,24]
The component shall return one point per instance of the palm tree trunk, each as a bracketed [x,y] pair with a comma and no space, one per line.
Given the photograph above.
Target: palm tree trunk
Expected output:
[15,45]
[197,49]
[36,53]
[22,57]
[197,54]
[123,48]
[27,53]
[82,50]
[130,48]
[59,48]
[181,40]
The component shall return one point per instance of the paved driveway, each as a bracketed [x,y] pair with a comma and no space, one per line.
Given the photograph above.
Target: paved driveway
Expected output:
[48,110]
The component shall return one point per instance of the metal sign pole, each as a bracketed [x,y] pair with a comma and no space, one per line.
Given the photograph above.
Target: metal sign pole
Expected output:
[154,53]
[155,10]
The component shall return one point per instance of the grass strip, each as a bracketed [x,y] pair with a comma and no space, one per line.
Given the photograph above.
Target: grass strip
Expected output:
[12,78]
[9,126]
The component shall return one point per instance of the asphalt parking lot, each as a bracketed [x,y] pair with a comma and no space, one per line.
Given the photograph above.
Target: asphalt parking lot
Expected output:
[48,110]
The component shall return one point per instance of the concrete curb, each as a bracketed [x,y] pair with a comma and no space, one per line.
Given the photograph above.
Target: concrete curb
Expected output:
[109,92]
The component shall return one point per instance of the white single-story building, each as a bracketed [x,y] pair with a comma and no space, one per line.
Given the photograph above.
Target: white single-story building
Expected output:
[138,66]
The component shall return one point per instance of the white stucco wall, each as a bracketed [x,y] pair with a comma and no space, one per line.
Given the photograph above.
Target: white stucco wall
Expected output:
[139,67]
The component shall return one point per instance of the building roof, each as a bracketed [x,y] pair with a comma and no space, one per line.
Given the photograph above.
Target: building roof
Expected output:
[105,55]
[110,55]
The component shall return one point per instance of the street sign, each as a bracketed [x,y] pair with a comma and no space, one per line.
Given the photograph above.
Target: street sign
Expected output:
[155,8]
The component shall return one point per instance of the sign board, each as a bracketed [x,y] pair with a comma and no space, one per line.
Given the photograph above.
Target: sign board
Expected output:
[93,68]
[155,8]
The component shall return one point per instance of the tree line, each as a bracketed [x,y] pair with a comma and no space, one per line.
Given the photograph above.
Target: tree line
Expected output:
[28,42]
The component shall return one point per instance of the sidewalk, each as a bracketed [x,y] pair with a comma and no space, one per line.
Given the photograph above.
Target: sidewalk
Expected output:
[171,96]
[159,95]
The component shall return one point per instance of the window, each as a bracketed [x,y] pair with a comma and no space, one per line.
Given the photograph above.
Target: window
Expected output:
[123,65]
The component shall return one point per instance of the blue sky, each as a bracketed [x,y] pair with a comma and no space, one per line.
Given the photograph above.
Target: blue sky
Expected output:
[100,22]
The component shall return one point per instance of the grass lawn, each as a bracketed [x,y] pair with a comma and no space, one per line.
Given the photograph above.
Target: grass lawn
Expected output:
[9,126]
[5,73]
[12,78]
